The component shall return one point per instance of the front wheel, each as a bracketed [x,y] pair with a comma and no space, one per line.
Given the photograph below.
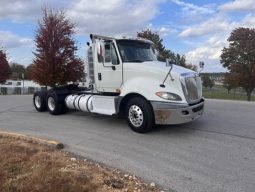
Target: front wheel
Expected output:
[139,115]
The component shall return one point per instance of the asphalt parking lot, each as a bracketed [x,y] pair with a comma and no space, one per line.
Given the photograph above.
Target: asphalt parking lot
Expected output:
[216,153]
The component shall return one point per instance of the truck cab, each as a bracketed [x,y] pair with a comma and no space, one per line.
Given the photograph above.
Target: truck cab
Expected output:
[124,78]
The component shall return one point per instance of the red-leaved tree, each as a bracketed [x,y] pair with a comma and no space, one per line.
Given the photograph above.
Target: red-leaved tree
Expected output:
[239,58]
[56,62]
[5,70]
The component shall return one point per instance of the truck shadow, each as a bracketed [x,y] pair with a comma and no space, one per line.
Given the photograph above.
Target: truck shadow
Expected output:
[119,123]
[187,128]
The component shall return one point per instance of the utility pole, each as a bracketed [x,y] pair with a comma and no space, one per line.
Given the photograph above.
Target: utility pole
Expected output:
[23,83]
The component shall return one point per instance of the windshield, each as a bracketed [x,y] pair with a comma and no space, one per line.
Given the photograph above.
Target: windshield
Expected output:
[135,51]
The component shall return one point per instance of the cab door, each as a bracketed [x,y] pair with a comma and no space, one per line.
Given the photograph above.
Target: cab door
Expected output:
[109,67]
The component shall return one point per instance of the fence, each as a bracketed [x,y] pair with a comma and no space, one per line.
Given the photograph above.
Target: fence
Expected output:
[219,92]
[4,90]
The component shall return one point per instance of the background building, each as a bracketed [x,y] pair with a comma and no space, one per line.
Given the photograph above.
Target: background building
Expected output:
[19,87]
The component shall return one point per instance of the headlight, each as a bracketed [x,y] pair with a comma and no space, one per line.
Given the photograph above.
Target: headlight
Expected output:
[169,96]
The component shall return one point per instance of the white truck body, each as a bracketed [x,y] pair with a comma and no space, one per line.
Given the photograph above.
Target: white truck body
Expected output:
[125,77]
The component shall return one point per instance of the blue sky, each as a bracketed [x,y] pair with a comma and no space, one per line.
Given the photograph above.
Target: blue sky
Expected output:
[198,29]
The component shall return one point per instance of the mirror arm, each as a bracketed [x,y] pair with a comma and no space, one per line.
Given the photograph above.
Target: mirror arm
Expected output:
[169,73]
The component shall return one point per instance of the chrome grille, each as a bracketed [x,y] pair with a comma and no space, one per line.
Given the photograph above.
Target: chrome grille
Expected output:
[191,84]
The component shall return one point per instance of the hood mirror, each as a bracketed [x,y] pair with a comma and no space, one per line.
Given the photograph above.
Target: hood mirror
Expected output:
[201,66]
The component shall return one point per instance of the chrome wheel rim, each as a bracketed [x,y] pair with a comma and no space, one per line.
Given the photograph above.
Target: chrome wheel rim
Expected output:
[38,102]
[51,104]
[135,115]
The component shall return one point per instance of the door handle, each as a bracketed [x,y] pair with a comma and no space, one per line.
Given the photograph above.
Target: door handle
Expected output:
[99,76]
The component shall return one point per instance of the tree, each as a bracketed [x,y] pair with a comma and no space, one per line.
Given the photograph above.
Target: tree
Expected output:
[191,67]
[5,70]
[229,82]
[207,81]
[28,71]
[164,53]
[180,60]
[55,60]
[17,71]
[239,58]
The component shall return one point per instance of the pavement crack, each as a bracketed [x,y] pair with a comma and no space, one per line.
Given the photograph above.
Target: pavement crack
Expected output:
[12,108]
[222,133]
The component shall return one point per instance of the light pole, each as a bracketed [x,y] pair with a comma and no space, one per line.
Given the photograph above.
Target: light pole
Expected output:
[23,83]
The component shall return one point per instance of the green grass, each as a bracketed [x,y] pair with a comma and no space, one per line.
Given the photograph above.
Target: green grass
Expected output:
[219,92]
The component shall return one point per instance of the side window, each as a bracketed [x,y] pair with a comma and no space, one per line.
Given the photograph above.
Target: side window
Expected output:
[107,55]
[111,54]
[100,57]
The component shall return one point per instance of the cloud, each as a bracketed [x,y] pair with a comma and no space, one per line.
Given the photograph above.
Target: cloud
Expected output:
[208,52]
[105,17]
[189,7]
[249,21]
[112,17]
[215,24]
[109,17]
[21,11]
[163,31]
[10,40]
[216,30]
[238,5]
[18,10]
[211,49]
[19,49]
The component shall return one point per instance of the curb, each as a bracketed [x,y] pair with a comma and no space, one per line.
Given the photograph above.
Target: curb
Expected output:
[51,143]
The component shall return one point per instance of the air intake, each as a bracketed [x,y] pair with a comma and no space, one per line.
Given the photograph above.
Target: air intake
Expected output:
[90,70]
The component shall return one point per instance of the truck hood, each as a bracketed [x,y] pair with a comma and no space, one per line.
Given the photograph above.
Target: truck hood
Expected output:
[162,66]
[145,78]
[157,68]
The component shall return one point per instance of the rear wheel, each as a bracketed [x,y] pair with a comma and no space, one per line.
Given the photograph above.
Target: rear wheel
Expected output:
[139,115]
[54,105]
[39,101]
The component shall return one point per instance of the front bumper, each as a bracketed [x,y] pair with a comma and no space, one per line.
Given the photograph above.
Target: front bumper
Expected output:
[171,113]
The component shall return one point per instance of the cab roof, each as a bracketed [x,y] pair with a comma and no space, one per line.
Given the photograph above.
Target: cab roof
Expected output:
[94,36]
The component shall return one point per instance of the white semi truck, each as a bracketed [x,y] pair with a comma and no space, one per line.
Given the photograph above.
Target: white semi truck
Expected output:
[124,78]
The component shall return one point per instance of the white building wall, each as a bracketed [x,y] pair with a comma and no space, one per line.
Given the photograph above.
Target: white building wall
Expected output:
[19,87]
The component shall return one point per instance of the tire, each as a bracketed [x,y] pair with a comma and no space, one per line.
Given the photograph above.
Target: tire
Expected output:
[39,101]
[54,105]
[139,115]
